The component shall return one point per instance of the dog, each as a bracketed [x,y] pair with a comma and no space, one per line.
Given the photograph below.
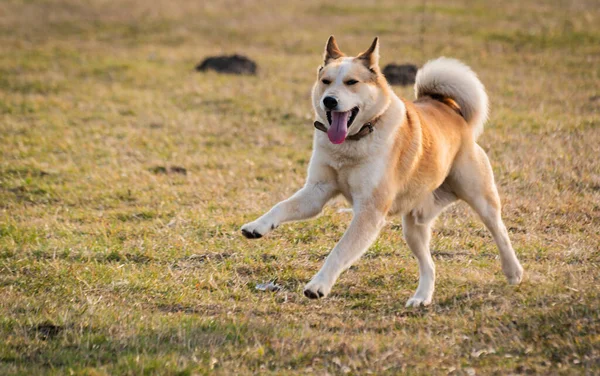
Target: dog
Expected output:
[390,156]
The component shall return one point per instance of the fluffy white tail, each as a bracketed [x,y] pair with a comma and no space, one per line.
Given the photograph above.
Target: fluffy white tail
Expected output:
[451,78]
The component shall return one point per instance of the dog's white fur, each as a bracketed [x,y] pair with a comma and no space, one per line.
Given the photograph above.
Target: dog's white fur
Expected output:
[421,158]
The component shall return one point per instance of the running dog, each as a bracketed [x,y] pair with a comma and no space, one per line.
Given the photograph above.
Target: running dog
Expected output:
[390,156]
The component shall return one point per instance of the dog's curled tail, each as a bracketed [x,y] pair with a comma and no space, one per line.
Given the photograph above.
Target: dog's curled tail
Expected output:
[452,79]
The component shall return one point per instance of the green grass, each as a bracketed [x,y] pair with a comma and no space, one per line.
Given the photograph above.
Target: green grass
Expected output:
[114,261]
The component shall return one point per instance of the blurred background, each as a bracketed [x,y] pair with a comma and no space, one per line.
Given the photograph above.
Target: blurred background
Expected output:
[125,175]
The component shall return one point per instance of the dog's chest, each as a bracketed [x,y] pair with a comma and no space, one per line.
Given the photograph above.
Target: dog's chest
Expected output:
[358,178]
[360,166]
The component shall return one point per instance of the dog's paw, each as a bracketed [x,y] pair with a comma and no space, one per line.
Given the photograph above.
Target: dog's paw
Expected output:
[514,274]
[257,229]
[317,288]
[416,301]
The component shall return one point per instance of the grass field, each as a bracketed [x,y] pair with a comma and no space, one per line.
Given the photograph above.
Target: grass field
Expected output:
[115,261]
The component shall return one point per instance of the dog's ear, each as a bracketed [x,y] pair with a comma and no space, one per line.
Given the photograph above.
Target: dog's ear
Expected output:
[332,51]
[370,58]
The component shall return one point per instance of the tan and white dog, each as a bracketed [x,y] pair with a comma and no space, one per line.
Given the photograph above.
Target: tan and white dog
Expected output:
[387,156]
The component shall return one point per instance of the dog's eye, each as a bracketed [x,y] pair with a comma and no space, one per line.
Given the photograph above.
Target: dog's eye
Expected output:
[326,81]
[351,82]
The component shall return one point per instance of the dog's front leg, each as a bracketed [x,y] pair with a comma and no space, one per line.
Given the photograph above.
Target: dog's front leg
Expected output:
[364,228]
[305,203]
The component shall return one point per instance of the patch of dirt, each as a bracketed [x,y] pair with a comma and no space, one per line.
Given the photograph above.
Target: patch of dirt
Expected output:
[449,255]
[422,311]
[26,171]
[31,194]
[403,74]
[234,64]
[138,258]
[202,309]
[197,260]
[168,170]
[177,308]
[517,230]
[47,330]
[178,170]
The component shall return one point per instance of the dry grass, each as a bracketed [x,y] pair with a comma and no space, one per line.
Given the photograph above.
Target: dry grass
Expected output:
[109,266]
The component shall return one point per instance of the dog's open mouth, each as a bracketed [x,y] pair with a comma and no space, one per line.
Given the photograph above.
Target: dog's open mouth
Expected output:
[339,122]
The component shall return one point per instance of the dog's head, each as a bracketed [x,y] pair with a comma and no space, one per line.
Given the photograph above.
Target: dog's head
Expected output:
[349,91]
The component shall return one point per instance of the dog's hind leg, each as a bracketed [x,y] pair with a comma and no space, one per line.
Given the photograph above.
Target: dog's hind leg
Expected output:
[473,182]
[416,227]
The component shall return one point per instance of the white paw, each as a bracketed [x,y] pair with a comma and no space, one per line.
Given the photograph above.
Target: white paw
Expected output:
[417,301]
[317,288]
[514,274]
[257,229]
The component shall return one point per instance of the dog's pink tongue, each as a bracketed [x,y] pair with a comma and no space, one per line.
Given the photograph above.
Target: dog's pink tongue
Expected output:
[339,127]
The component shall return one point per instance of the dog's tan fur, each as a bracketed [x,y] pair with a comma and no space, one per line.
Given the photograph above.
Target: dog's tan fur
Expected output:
[422,157]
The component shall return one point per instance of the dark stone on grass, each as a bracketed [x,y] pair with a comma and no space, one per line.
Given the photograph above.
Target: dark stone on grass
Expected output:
[403,74]
[234,64]
[268,287]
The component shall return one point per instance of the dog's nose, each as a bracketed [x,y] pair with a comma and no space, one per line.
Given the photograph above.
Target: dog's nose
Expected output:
[330,103]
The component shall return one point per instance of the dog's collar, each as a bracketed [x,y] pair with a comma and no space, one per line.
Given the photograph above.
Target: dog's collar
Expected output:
[364,131]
